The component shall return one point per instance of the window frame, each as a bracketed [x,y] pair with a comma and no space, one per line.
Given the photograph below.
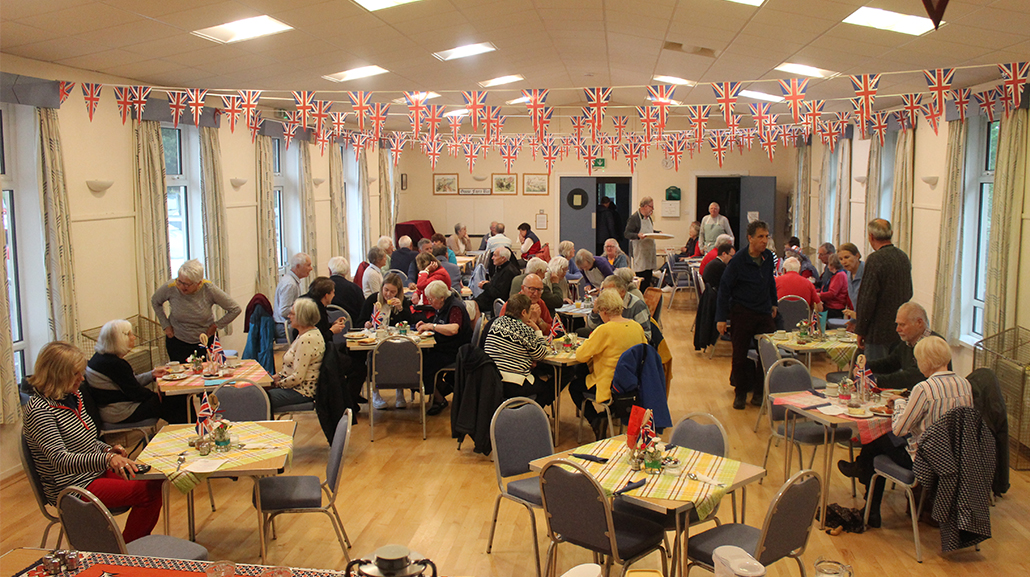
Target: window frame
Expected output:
[189,179]
[976,237]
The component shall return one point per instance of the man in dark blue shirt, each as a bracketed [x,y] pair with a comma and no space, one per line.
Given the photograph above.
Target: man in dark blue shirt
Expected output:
[747,298]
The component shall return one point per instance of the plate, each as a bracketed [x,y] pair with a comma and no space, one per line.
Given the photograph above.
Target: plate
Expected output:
[658,235]
[426,334]
[881,411]
[355,335]
[174,376]
[213,377]
[367,341]
[865,415]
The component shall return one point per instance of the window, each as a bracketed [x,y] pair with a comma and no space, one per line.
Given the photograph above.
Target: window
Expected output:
[355,208]
[13,292]
[279,185]
[182,167]
[830,202]
[890,147]
[982,153]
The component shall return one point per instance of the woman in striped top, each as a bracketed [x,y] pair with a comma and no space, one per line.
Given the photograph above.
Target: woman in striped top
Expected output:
[514,343]
[65,446]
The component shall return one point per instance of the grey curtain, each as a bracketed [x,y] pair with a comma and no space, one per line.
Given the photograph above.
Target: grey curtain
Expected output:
[337,202]
[267,250]
[802,204]
[874,179]
[387,195]
[901,200]
[1006,212]
[9,401]
[308,226]
[842,206]
[947,292]
[153,267]
[216,242]
[824,191]
[57,254]
[366,207]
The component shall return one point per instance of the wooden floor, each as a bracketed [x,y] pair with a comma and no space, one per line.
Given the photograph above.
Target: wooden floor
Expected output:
[438,500]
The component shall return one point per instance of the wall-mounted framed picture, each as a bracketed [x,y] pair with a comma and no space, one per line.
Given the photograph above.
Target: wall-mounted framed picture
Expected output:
[534,184]
[445,183]
[505,183]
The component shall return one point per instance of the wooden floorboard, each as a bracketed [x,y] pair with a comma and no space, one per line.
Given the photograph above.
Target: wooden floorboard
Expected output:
[438,500]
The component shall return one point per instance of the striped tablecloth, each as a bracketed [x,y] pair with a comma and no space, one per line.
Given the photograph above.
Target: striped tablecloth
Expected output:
[869,429]
[248,369]
[163,452]
[674,486]
[106,564]
[840,352]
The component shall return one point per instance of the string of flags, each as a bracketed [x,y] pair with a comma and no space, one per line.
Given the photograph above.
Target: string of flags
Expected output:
[589,140]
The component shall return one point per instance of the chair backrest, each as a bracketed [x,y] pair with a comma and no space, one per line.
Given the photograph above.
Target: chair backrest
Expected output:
[87,522]
[789,520]
[692,434]
[243,400]
[35,482]
[337,451]
[793,309]
[576,509]
[519,433]
[785,376]
[768,352]
[658,280]
[334,312]
[401,366]
[498,305]
[403,275]
[477,331]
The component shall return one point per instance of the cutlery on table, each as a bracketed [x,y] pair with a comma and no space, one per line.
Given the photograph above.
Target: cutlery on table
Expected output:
[180,461]
[704,479]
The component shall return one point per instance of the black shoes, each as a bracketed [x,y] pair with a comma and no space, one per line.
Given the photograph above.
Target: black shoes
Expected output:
[849,469]
[757,399]
[739,400]
[437,408]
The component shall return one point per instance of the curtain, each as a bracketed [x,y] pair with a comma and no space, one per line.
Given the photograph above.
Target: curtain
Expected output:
[366,208]
[1006,212]
[824,191]
[308,225]
[337,202]
[947,291]
[57,253]
[873,183]
[387,195]
[802,204]
[9,401]
[153,267]
[842,206]
[212,189]
[267,250]
[904,181]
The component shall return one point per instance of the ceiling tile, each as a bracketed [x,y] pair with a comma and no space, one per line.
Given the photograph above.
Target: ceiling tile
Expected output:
[156,8]
[827,9]
[128,34]
[72,20]
[209,15]
[999,20]
[19,10]
[972,36]
[53,50]
[301,16]
[165,47]
[714,14]
[144,70]
[15,34]
[101,60]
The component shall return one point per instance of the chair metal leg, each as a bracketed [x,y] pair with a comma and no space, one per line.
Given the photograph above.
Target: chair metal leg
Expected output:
[765,460]
[422,409]
[551,566]
[851,457]
[869,499]
[761,412]
[493,525]
[915,521]
[804,573]
[342,528]
[371,414]
[733,501]
[337,524]
[536,544]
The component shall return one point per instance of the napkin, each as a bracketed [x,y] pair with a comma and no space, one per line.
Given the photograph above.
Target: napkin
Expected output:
[630,486]
[587,457]
[204,466]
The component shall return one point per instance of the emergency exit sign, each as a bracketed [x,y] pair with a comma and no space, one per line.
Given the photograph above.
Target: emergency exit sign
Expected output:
[599,164]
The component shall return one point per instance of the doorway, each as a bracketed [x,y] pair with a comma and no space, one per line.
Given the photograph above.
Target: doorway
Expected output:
[612,224]
[739,197]
[580,207]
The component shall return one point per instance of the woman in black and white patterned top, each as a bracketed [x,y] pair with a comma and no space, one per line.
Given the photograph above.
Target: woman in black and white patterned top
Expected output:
[514,342]
[298,380]
[66,449]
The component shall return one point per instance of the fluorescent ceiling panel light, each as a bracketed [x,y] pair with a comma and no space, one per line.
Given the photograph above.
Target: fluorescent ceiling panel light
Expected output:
[426,95]
[501,80]
[521,100]
[748,2]
[893,21]
[458,112]
[806,70]
[243,30]
[373,5]
[355,73]
[665,101]
[760,96]
[674,80]
[463,51]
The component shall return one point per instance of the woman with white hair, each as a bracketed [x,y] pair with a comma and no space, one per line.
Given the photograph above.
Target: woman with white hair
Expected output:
[190,298]
[557,276]
[297,381]
[638,226]
[459,242]
[452,328]
[120,394]
[567,250]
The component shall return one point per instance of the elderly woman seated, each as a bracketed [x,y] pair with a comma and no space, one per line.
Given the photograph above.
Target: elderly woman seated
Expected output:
[594,268]
[600,354]
[119,393]
[297,381]
[557,276]
[567,250]
[614,255]
[452,328]
[514,342]
[429,269]
[66,450]
[459,242]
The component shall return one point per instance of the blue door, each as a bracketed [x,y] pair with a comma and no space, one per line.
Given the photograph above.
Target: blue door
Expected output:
[578,200]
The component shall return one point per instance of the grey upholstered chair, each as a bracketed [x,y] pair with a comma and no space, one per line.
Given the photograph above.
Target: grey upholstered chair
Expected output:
[90,527]
[240,400]
[884,467]
[333,313]
[793,309]
[303,493]
[37,491]
[396,363]
[519,433]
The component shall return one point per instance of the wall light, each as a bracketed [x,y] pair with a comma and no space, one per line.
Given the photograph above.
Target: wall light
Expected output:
[99,185]
[931,180]
[237,182]
[861,179]
[318,181]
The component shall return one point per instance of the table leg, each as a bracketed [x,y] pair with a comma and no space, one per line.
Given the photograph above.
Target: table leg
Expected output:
[557,401]
[677,553]
[165,496]
[189,516]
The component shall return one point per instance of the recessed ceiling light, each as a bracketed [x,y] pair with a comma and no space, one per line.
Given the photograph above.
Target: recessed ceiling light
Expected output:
[463,51]
[748,2]
[665,101]
[355,73]
[674,80]
[893,21]
[501,80]
[373,5]
[760,96]
[424,95]
[243,29]
[521,100]
[457,112]
[805,70]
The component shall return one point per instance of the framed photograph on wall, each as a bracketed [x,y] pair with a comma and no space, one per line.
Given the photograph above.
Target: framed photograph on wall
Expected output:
[445,183]
[505,183]
[534,184]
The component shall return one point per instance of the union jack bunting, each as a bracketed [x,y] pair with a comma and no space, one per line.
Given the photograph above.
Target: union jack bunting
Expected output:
[248,102]
[794,93]
[597,101]
[535,99]
[509,154]
[499,121]
[378,118]
[613,144]
[124,99]
[396,140]
[1005,98]
[768,143]
[231,106]
[359,102]
[960,97]
[631,150]
[726,95]
[357,142]
[911,107]
[433,150]
[320,113]
[674,150]
[620,122]
[813,110]
[454,148]
[472,150]
[878,123]
[865,89]
[475,103]
[195,100]
[455,122]
[289,131]
[215,352]
[65,89]
[698,119]
[305,105]
[932,114]
[718,142]
[588,152]
[733,124]
[939,82]
[578,124]
[987,99]
[544,121]
[416,110]
[1014,76]
[177,106]
[254,124]
[549,153]
[661,96]
[139,95]
[648,118]
[91,94]
[557,329]
[339,122]
[491,115]
[760,114]
[434,116]
[204,414]
[322,139]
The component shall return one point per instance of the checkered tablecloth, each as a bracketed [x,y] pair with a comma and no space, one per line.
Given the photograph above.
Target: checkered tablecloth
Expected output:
[106,564]
[674,486]
[868,429]
[163,451]
[841,352]
[248,369]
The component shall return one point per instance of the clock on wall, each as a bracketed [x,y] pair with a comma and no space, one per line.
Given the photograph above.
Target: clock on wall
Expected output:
[667,163]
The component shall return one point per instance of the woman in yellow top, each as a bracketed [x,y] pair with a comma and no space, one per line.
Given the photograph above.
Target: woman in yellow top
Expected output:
[600,354]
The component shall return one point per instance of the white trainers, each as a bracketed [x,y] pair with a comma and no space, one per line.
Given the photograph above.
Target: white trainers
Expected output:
[400,404]
[377,401]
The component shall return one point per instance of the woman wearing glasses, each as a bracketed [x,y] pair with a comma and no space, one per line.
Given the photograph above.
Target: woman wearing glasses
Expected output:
[190,297]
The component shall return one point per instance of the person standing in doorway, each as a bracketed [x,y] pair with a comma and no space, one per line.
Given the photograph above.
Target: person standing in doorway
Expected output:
[642,249]
[608,222]
[712,225]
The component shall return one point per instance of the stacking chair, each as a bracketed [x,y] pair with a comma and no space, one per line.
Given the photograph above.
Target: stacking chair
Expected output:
[783,534]
[90,527]
[591,397]
[403,275]
[498,305]
[786,376]
[884,467]
[145,428]
[334,312]
[396,363]
[478,334]
[519,433]
[793,309]
[578,512]
[36,484]
[303,493]
[241,400]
